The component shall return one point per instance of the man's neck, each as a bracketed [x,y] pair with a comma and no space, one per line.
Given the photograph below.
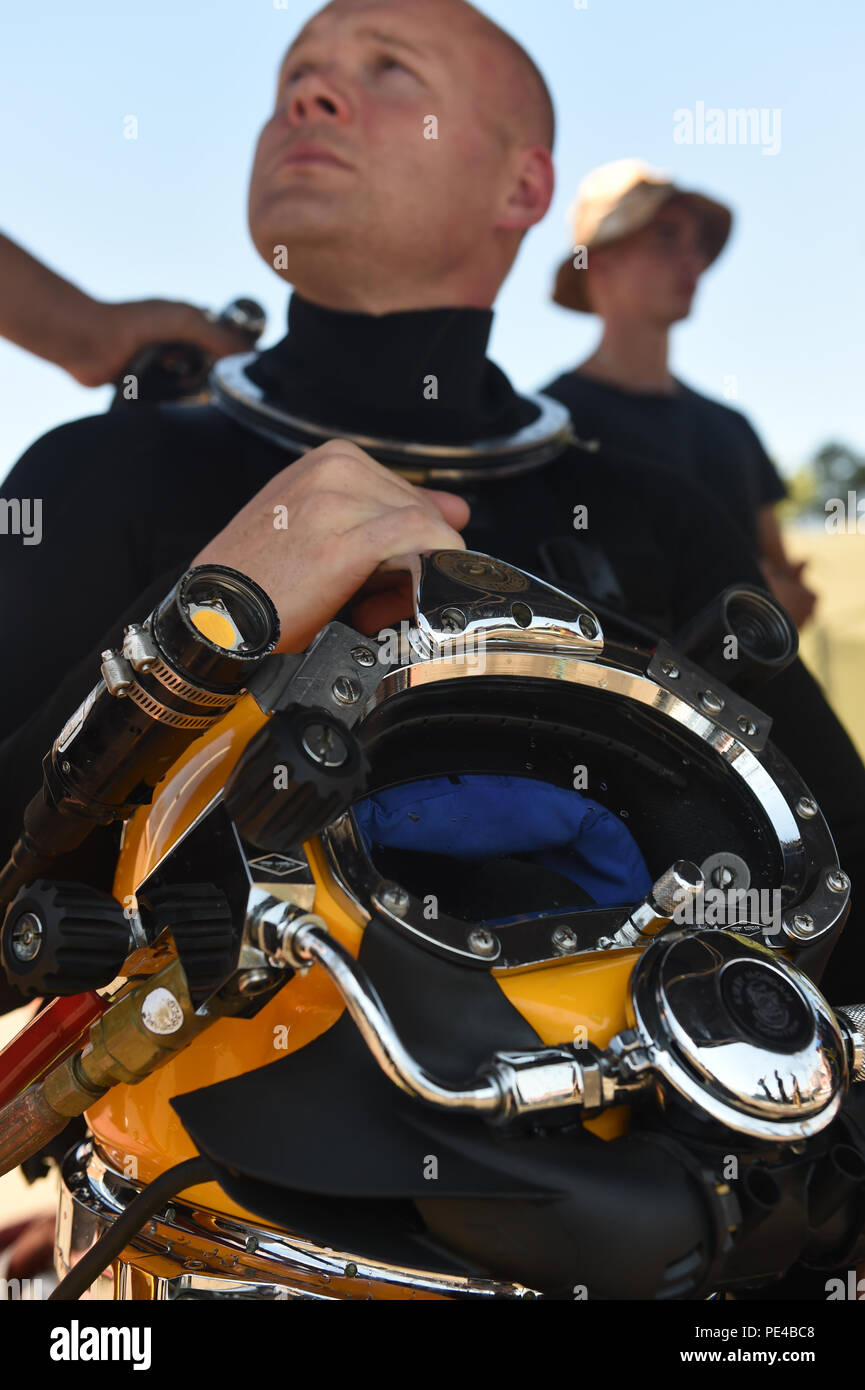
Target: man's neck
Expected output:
[632,355]
[417,374]
[365,290]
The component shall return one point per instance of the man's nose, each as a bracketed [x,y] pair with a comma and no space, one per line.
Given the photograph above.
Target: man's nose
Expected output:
[314,97]
[690,255]
[697,258]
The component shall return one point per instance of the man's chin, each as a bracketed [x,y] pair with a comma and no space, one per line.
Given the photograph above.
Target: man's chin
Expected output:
[297,225]
[682,308]
[668,314]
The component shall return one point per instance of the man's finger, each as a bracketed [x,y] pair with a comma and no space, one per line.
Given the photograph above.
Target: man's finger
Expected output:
[455,510]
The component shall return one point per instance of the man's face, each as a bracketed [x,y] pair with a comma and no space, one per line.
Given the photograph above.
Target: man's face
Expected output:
[347,168]
[654,273]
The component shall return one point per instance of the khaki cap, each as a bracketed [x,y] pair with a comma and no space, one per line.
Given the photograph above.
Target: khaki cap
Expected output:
[618,199]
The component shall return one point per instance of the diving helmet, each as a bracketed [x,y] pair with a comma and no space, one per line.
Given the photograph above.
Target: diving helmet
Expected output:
[506,784]
[506,882]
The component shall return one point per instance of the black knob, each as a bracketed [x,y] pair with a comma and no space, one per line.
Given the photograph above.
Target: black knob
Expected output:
[298,774]
[63,938]
[200,918]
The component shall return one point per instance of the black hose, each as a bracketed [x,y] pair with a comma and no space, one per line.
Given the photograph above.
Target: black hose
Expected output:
[188,1174]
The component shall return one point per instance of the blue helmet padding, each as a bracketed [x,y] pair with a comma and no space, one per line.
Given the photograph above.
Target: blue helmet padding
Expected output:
[483,817]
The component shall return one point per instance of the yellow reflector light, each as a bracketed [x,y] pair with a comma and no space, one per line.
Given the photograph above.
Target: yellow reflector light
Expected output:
[216,627]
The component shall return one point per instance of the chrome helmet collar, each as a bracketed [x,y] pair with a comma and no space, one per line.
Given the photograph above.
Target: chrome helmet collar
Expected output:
[521,452]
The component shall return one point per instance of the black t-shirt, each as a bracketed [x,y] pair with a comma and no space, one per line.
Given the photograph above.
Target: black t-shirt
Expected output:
[701,439]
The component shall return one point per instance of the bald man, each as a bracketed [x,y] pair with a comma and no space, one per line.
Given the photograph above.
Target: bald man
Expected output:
[407,153]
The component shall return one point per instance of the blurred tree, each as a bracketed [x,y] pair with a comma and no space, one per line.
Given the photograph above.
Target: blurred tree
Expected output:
[834,470]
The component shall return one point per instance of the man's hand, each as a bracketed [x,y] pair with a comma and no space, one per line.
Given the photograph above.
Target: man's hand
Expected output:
[317,532]
[116,332]
[45,314]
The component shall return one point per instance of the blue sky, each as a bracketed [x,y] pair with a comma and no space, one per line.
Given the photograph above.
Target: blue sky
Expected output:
[781,313]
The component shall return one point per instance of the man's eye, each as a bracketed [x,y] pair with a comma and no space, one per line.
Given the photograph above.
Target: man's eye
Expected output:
[299,70]
[387,63]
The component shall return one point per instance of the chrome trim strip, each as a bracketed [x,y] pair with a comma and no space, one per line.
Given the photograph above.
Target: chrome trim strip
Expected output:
[193,1251]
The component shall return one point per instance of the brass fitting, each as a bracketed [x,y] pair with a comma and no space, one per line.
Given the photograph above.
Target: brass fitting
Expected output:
[131,1039]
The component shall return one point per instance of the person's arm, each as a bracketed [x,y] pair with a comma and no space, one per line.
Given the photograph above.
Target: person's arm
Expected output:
[91,340]
[770,539]
[783,576]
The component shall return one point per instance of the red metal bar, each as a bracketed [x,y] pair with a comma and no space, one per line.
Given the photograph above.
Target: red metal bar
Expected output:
[46,1040]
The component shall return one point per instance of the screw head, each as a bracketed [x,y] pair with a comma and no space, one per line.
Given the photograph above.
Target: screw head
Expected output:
[803,924]
[351,1270]
[394,898]
[722,877]
[345,690]
[565,939]
[363,656]
[587,625]
[483,943]
[324,745]
[670,670]
[747,725]
[806,807]
[837,881]
[711,702]
[27,937]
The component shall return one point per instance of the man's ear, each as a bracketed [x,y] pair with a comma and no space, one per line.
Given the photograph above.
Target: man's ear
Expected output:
[531,192]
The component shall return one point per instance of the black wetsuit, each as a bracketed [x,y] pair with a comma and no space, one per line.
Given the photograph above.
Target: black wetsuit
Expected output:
[129,498]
